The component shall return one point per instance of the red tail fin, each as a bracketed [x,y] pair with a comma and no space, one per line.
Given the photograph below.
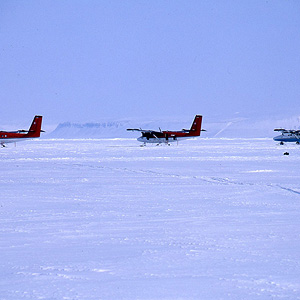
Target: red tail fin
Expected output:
[196,126]
[35,128]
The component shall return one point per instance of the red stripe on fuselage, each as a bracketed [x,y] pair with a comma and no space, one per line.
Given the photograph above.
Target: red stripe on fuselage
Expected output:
[174,133]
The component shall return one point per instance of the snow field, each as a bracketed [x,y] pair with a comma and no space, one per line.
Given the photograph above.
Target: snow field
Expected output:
[107,219]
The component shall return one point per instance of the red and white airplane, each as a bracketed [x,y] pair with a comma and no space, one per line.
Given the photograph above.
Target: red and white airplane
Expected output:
[22,135]
[158,137]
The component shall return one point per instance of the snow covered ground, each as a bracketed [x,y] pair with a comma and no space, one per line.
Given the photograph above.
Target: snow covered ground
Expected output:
[107,219]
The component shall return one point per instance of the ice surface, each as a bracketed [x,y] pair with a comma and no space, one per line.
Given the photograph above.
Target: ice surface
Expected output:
[107,219]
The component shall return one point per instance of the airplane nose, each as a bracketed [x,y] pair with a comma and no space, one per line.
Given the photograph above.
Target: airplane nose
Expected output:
[277,138]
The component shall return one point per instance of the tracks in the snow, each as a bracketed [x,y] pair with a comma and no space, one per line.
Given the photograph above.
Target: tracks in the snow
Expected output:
[207,179]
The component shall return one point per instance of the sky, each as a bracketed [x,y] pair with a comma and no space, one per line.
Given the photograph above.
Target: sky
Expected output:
[83,61]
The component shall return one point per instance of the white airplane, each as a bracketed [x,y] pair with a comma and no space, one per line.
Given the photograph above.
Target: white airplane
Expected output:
[287,135]
[159,137]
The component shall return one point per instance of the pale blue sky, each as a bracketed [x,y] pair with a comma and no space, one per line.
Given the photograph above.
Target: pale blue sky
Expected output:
[92,60]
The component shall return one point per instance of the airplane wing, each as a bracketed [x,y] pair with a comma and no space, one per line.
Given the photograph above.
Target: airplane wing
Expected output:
[292,131]
[21,131]
[16,131]
[281,129]
[139,129]
[133,129]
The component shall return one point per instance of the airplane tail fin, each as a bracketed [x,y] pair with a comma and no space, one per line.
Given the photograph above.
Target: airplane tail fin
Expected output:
[35,128]
[196,126]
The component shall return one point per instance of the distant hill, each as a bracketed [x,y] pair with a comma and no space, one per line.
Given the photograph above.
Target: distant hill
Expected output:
[88,130]
[227,128]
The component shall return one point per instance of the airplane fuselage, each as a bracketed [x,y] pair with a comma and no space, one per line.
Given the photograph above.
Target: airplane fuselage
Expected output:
[22,135]
[7,140]
[160,137]
[287,137]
